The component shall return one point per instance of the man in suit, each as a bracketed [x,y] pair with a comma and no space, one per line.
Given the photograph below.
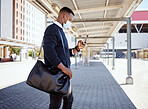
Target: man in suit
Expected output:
[54,55]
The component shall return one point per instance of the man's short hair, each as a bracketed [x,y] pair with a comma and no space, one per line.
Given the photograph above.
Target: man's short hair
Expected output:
[68,10]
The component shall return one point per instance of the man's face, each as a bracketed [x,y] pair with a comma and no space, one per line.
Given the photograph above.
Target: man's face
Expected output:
[67,16]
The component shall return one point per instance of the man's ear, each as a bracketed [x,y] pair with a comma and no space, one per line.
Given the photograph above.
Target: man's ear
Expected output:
[64,17]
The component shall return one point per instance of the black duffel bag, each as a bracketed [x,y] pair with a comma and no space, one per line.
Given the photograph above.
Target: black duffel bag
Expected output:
[49,80]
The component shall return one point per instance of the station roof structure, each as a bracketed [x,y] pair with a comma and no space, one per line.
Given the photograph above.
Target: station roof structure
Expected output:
[15,43]
[91,9]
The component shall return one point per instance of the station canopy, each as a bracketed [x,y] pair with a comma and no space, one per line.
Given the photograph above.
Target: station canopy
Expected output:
[99,32]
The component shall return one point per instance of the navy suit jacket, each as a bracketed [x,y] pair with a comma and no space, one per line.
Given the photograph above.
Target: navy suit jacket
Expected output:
[53,49]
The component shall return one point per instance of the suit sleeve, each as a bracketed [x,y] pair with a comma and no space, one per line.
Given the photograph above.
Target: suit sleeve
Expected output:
[70,52]
[49,43]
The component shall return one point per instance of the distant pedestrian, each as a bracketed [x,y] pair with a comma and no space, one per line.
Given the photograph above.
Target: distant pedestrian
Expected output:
[54,55]
[11,58]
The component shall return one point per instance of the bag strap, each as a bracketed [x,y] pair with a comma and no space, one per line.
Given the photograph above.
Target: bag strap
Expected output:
[40,49]
[62,46]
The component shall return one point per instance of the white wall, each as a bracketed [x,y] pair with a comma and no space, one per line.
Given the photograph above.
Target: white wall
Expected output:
[139,40]
[71,40]
[6,18]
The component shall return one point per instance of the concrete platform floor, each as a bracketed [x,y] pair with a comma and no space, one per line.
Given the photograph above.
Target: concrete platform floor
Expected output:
[93,87]
[138,92]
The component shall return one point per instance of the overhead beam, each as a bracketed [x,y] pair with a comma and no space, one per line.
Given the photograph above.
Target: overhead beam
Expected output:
[94,27]
[95,43]
[91,32]
[94,37]
[77,11]
[100,19]
[97,9]
[97,34]
[76,7]
[95,46]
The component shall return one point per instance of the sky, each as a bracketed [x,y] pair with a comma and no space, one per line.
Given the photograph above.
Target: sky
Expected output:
[143,5]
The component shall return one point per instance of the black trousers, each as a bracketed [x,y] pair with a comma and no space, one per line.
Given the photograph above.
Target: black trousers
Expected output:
[55,101]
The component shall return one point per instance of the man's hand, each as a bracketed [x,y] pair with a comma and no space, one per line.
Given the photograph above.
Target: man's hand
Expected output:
[66,70]
[81,44]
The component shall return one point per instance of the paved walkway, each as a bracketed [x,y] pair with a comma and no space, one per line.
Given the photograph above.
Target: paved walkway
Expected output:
[138,92]
[93,88]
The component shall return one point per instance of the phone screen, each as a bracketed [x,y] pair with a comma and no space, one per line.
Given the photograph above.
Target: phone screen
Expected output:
[85,39]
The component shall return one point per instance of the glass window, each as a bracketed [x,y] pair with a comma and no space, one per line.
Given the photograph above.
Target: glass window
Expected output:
[16,21]
[16,13]
[21,16]
[21,31]
[16,30]
[21,23]
[16,5]
[24,2]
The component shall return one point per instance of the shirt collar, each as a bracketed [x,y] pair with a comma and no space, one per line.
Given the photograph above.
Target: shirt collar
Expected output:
[57,23]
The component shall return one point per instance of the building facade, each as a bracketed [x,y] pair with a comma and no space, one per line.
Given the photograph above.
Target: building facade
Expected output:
[6,24]
[21,26]
[18,19]
[35,24]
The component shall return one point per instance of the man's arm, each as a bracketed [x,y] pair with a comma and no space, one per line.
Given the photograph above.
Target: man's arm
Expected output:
[77,48]
[50,53]
[66,70]
[49,43]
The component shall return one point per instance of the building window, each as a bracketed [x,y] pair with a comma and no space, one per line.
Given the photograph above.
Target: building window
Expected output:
[27,5]
[21,31]
[16,13]
[16,21]
[21,8]
[16,30]
[21,23]
[16,37]
[17,5]
[24,10]
[23,2]
[21,16]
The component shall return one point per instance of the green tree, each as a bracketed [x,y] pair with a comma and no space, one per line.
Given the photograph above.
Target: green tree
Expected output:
[14,50]
[36,53]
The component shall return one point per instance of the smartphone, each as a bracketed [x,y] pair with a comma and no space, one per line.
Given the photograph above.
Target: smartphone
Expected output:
[85,39]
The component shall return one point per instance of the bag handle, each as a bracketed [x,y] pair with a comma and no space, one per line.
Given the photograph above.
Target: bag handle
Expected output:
[62,46]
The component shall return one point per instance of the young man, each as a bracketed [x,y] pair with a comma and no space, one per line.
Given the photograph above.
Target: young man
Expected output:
[54,55]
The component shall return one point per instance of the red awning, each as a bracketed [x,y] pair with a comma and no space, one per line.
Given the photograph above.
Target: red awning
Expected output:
[139,15]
